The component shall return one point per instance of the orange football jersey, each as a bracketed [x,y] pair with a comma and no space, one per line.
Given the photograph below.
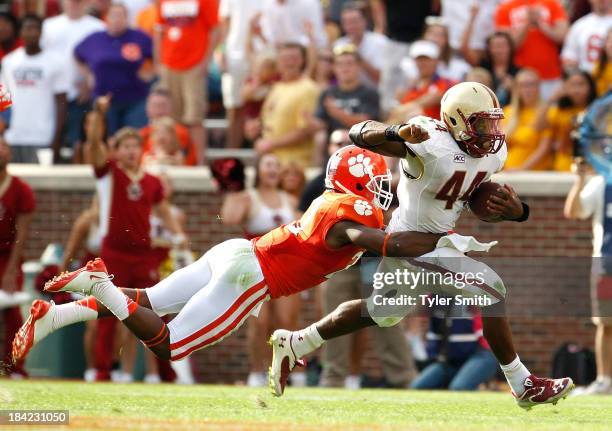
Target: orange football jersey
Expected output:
[295,257]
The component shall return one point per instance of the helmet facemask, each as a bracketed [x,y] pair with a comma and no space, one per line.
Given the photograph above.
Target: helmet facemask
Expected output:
[482,128]
[380,186]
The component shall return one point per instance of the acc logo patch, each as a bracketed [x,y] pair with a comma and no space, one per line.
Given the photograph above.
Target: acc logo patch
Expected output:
[459,158]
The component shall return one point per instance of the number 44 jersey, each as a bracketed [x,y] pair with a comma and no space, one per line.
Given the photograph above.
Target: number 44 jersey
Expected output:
[436,180]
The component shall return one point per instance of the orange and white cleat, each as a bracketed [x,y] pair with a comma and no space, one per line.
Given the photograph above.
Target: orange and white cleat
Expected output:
[81,280]
[37,327]
[283,361]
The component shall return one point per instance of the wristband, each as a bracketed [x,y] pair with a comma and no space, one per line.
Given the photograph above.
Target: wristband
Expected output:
[525,215]
[392,133]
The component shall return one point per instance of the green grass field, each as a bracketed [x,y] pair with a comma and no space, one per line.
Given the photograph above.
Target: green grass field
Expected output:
[144,407]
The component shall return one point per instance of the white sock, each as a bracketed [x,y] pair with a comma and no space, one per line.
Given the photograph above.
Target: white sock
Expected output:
[113,298]
[306,341]
[606,380]
[516,373]
[72,312]
[67,314]
[184,374]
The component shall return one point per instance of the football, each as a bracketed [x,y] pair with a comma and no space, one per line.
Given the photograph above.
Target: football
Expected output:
[479,197]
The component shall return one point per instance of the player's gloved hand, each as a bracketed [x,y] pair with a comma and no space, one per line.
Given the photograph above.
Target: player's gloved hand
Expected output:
[413,133]
[505,203]
[5,99]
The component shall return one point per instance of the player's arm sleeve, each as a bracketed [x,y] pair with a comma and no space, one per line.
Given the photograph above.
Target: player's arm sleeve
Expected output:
[591,196]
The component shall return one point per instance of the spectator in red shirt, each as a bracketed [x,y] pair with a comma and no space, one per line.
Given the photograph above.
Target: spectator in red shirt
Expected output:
[16,207]
[425,92]
[127,198]
[188,37]
[538,28]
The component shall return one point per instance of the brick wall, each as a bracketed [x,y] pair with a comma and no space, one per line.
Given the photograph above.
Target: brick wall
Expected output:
[537,335]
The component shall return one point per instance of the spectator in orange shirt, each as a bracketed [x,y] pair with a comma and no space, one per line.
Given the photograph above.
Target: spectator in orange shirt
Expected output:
[425,92]
[188,36]
[159,105]
[538,28]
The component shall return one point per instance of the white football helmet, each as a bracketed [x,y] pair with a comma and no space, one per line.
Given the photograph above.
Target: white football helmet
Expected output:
[472,114]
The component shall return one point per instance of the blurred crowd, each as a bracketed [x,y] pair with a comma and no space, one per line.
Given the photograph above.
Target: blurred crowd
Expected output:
[139,81]
[285,74]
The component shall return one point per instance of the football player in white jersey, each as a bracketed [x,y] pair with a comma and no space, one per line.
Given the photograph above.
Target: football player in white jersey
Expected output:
[441,163]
